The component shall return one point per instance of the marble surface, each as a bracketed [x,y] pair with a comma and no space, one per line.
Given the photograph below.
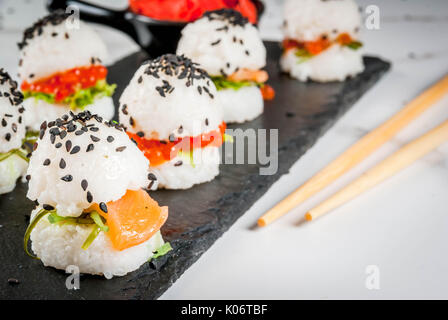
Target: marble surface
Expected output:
[400,227]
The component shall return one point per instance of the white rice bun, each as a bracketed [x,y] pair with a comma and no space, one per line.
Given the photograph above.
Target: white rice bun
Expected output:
[308,20]
[11,169]
[241,105]
[159,116]
[114,166]
[61,246]
[51,52]
[206,168]
[334,64]
[240,46]
[12,124]
[40,110]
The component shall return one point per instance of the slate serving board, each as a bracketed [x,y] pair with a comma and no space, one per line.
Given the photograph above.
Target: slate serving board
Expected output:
[301,111]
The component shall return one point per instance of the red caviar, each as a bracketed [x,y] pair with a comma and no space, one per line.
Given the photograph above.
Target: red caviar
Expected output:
[160,151]
[64,84]
[316,47]
[190,10]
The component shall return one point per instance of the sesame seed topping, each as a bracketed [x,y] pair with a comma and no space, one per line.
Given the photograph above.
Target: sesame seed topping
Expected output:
[67,178]
[84,184]
[62,164]
[47,162]
[103,207]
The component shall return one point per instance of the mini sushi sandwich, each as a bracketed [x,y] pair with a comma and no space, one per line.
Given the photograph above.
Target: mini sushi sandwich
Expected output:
[13,160]
[170,109]
[230,49]
[87,178]
[61,69]
[321,40]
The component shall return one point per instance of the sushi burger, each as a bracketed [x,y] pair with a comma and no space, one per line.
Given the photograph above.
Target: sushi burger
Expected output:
[170,109]
[230,49]
[87,178]
[13,160]
[61,69]
[321,40]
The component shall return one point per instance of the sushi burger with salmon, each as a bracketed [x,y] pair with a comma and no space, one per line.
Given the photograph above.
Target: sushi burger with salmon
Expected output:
[229,48]
[321,40]
[87,178]
[13,160]
[61,69]
[170,109]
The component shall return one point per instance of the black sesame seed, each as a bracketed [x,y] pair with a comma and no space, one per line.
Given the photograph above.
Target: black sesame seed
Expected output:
[75,150]
[62,164]
[48,207]
[67,178]
[90,147]
[47,162]
[79,132]
[110,139]
[68,145]
[41,134]
[172,138]
[58,145]
[89,197]
[120,149]
[103,207]
[94,139]
[178,163]
[141,134]
[28,177]
[8,136]
[63,134]
[140,79]
[152,177]
[4,123]
[84,184]
[206,121]
[131,121]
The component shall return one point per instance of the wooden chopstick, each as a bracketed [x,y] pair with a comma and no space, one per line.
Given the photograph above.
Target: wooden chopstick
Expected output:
[358,152]
[385,169]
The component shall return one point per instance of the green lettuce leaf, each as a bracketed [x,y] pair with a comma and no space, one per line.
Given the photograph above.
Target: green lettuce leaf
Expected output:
[163,250]
[223,83]
[354,45]
[81,98]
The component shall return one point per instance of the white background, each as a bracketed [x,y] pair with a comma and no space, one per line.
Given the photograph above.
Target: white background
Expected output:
[400,226]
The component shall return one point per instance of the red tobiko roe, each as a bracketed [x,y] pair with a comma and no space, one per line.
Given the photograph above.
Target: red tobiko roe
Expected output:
[190,10]
[64,84]
[158,152]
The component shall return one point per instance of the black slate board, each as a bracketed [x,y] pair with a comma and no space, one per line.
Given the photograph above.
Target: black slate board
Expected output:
[301,111]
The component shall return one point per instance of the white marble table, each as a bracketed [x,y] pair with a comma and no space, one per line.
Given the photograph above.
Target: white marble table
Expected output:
[400,227]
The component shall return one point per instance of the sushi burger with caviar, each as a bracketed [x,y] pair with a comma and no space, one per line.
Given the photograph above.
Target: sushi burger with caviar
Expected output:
[170,109]
[13,160]
[229,48]
[88,178]
[61,69]
[321,40]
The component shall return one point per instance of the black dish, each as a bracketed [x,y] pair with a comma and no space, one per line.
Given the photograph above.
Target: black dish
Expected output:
[302,112]
[154,36]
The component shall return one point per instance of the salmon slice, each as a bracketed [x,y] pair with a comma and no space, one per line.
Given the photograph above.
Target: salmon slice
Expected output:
[133,219]
[259,76]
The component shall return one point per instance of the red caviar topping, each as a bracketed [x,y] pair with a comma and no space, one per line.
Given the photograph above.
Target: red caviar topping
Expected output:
[316,47]
[64,84]
[160,151]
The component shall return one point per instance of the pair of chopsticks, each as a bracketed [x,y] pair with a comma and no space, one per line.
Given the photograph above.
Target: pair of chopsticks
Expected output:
[361,150]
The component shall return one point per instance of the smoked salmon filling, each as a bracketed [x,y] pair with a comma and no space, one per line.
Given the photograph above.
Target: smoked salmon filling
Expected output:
[246,78]
[312,48]
[128,222]
[77,87]
[161,151]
